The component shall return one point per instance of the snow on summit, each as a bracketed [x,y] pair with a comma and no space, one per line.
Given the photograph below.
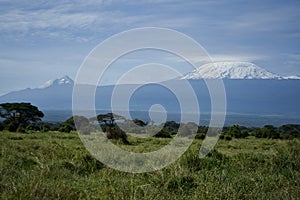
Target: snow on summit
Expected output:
[231,70]
[66,80]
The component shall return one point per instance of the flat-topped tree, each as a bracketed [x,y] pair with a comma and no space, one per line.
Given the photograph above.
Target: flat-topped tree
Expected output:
[108,119]
[19,115]
[108,125]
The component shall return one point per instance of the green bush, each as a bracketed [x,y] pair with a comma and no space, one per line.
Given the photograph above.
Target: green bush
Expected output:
[11,127]
[222,136]
[244,133]
[1,126]
[228,137]
[163,134]
[20,129]
[290,134]
[200,136]
[116,133]
[268,131]
[45,128]
[32,127]
[234,131]
[66,128]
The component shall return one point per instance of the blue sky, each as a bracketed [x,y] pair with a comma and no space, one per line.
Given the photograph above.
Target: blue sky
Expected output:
[42,40]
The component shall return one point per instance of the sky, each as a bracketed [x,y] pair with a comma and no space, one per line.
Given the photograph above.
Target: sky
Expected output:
[42,39]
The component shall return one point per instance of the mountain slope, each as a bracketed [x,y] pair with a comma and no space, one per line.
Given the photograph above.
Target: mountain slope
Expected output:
[258,93]
[54,94]
[232,70]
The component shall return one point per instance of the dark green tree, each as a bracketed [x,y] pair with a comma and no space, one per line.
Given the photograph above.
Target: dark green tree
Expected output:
[19,115]
[107,119]
[268,131]
[1,126]
[201,133]
[76,122]
[108,125]
[235,131]
[163,134]
[172,127]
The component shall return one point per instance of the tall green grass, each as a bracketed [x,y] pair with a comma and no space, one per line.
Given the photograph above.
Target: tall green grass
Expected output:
[56,166]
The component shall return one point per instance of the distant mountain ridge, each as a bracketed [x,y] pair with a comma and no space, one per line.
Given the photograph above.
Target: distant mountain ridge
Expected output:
[53,94]
[259,92]
[233,70]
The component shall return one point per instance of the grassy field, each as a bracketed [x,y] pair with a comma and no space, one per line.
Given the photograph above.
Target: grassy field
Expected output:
[56,166]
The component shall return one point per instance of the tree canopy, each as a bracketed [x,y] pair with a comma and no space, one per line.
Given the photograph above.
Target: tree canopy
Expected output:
[19,115]
[108,118]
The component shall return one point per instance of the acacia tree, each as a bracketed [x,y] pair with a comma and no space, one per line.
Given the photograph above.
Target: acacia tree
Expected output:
[108,119]
[19,115]
[108,125]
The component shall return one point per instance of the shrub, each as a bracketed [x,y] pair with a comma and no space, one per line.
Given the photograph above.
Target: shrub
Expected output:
[163,134]
[1,126]
[200,136]
[290,134]
[171,126]
[81,122]
[66,128]
[32,127]
[222,137]
[244,133]
[228,137]
[20,129]
[268,131]
[234,131]
[11,127]
[116,133]
[46,128]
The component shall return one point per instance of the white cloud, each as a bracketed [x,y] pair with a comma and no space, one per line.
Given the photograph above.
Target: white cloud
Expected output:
[65,19]
[80,20]
[18,20]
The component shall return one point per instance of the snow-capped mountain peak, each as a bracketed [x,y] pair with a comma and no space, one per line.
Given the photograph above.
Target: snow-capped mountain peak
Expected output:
[292,77]
[231,70]
[66,80]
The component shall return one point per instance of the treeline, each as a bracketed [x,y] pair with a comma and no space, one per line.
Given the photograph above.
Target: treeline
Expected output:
[24,117]
[288,131]
[167,130]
